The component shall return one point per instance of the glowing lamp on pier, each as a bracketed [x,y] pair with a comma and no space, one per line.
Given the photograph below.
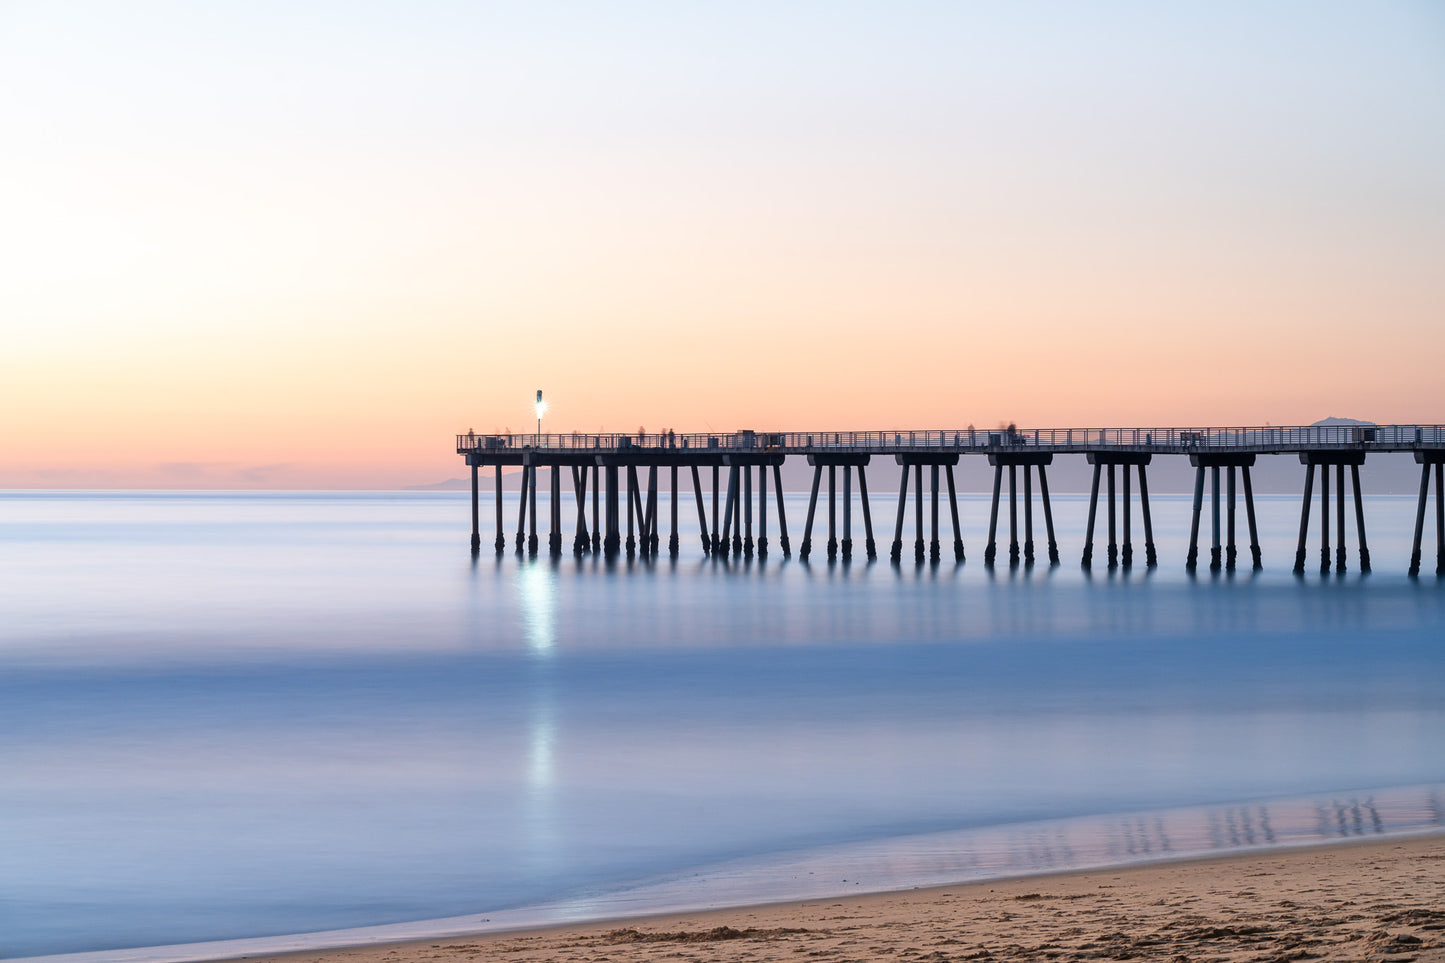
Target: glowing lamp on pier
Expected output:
[541,410]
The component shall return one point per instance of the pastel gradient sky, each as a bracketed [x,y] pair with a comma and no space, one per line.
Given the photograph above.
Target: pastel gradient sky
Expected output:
[297,245]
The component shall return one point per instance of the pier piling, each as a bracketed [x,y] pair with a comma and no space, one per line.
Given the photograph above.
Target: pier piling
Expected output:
[832,512]
[918,514]
[652,525]
[672,497]
[762,511]
[1013,515]
[1088,559]
[925,532]
[737,502]
[896,554]
[1150,558]
[1253,529]
[1113,532]
[701,512]
[532,510]
[1304,519]
[1223,548]
[727,519]
[554,513]
[952,510]
[596,509]
[501,542]
[522,511]
[1049,514]
[990,548]
[1230,551]
[1012,461]
[782,515]
[1120,498]
[1324,460]
[1192,560]
[1126,550]
[612,542]
[807,546]
[1028,515]
[580,541]
[747,477]
[1214,544]
[1359,519]
[716,539]
[869,547]
[476,512]
[1426,461]
[1339,518]
[630,496]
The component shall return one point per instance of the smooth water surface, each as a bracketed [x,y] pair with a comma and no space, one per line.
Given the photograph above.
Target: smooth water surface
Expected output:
[233,715]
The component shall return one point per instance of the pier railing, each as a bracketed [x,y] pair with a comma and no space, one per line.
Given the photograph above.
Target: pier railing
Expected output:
[1265,439]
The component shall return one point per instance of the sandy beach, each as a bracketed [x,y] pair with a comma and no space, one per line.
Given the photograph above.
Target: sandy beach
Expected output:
[1380,900]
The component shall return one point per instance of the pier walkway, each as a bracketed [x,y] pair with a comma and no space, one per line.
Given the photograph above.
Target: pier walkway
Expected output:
[612,462]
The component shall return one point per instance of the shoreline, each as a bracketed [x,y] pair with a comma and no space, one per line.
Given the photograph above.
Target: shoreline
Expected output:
[1380,898]
[1240,901]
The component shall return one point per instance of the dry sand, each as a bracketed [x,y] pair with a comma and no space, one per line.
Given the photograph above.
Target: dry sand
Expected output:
[1355,901]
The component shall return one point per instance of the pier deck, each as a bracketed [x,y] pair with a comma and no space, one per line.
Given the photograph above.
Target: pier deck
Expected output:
[1215,453]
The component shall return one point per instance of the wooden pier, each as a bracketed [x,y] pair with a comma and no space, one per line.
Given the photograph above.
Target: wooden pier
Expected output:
[1118,455]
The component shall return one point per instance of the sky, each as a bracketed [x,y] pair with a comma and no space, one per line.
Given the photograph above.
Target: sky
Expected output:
[302,245]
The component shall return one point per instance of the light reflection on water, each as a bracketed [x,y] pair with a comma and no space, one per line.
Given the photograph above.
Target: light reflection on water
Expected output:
[232,715]
[537,604]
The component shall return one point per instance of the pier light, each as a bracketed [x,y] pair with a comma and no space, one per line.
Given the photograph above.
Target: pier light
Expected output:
[541,410]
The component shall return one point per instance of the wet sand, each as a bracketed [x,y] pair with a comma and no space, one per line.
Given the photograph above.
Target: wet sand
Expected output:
[1380,900]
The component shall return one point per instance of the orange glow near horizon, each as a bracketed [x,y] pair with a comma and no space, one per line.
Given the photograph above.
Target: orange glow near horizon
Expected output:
[315,279]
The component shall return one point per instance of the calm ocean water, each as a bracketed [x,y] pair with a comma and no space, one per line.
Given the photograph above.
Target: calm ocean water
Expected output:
[241,715]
